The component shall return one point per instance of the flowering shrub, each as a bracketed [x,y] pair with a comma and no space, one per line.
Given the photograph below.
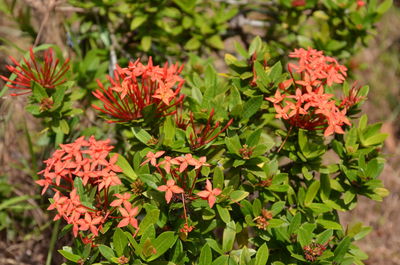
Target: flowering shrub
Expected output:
[166,28]
[246,167]
[209,170]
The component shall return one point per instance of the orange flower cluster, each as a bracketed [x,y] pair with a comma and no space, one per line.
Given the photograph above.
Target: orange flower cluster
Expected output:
[137,86]
[179,183]
[46,73]
[182,163]
[87,160]
[310,107]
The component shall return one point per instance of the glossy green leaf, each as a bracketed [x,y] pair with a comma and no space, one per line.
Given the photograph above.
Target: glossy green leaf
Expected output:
[120,241]
[262,255]
[125,166]
[228,237]
[107,252]
[205,255]
[311,192]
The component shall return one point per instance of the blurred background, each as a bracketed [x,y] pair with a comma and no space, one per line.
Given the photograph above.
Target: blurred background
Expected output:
[78,26]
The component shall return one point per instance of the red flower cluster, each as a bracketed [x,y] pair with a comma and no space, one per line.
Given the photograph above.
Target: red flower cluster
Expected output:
[46,73]
[317,69]
[310,107]
[182,163]
[138,86]
[87,160]
[180,186]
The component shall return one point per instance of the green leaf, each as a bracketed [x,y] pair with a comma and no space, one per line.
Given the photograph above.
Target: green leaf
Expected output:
[58,97]
[276,71]
[64,126]
[341,249]
[311,192]
[205,255]
[304,236]
[169,131]
[230,59]
[137,21]
[224,214]
[228,237]
[262,255]
[151,218]
[162,243]
[125,166]
[254,138]
[385,6]
[319,208]
[218,178]
[324,237]
[349,196]
[255,45]
[120,241]
[192,44]
[233,144]
[107,252]
[39,92]
[215,42]
[70,256]
[329,224]
[146,43]
[252,106]
[277,207]
[294,224]
[142,135]
[214,245]
[222,260]
[238,195]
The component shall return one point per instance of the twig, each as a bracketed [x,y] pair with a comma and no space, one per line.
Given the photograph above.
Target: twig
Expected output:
[284,141]
[52,4]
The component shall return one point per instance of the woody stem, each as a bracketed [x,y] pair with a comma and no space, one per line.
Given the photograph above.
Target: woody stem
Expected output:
[184,207]
[284,141]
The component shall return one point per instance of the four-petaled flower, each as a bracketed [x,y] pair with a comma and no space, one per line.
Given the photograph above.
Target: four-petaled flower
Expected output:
[209,194]
[152,158]
[90,223]
[128,216]
[170,189]
[122,199]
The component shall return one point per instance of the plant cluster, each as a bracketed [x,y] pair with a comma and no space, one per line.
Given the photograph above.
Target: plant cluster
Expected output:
[166,28]
[172,164]
[235,169]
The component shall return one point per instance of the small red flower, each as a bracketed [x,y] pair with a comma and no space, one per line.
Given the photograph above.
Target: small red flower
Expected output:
[170,189]
[360,4]
[122,199]
[209,194]
[128,216]
[48,73]
[90,223]
[297,3]
[152,158]
[167,162]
